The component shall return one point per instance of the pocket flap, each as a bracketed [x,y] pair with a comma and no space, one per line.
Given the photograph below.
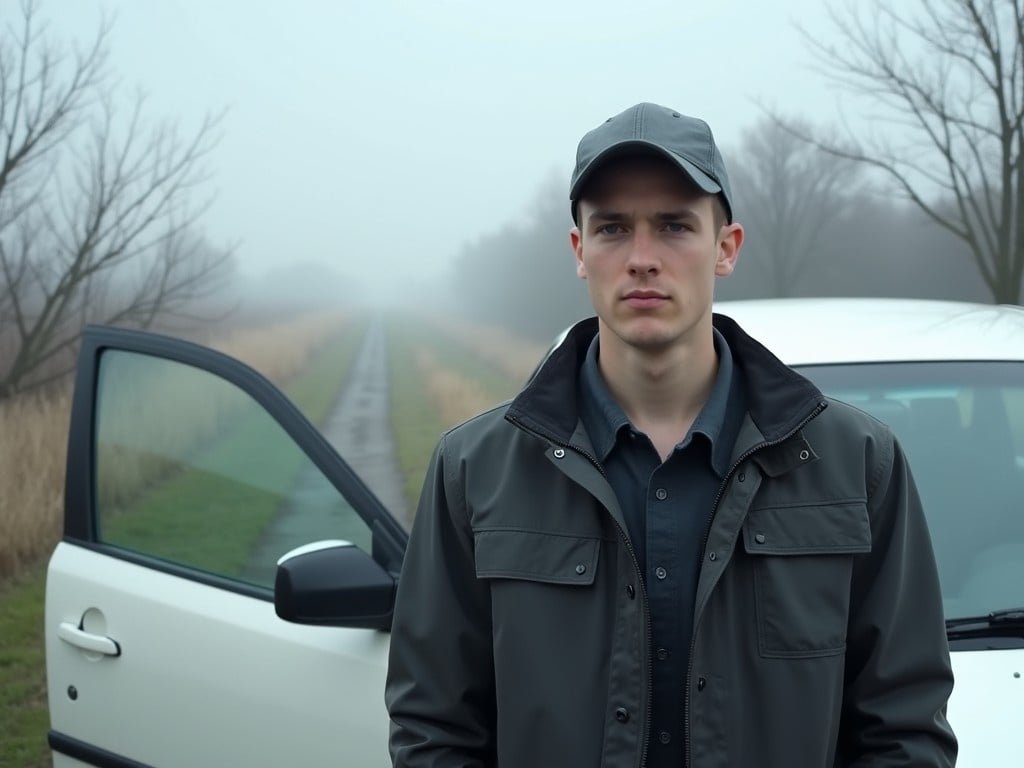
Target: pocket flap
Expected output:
[536,556]
[823,529]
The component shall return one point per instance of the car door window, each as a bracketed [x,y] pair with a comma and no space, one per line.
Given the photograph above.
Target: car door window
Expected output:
[193,471]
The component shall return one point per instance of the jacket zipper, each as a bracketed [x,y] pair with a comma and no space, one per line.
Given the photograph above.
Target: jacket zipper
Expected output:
[640,582]
[704,543]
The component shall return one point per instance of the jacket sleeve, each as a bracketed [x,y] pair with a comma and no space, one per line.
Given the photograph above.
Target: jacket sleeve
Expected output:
[440,681]
[898,673]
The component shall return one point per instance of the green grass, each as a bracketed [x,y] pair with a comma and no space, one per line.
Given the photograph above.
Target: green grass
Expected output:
[24,716]
[414,420]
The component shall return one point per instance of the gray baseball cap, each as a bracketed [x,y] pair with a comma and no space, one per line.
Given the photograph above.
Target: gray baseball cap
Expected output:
[686,141]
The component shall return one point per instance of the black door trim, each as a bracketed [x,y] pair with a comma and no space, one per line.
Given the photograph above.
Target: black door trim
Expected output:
[87,753]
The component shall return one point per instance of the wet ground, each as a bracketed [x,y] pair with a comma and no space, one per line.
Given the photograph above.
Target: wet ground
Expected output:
[359,426]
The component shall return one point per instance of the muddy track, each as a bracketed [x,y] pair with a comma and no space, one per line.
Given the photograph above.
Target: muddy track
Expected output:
[359,427]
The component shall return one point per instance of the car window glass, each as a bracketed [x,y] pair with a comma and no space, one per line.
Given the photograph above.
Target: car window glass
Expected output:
[962,428]
[190,469]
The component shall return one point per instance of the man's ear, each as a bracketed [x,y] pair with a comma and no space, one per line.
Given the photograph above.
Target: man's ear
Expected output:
[730,240]
[576,243]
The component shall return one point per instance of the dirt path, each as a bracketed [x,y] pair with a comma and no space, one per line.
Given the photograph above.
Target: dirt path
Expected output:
[359,427]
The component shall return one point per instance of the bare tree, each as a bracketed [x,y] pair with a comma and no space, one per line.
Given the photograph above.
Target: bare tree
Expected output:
[787,193]
[949,75]
[97,213]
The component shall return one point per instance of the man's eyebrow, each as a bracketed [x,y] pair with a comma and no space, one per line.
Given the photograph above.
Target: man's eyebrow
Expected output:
[605,215]
[684,213]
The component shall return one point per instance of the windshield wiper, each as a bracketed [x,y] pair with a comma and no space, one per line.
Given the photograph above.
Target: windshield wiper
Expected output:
[1005,620]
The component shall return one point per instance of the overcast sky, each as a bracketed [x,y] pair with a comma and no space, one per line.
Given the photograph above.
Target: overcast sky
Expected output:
[380,135]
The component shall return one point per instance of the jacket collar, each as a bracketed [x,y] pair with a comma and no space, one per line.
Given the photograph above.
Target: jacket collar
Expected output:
[778,399]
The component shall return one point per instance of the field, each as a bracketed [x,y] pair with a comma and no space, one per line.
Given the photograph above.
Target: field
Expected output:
[440,374]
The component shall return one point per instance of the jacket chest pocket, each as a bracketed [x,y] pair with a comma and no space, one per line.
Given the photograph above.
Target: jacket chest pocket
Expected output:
[803,562]
[536,556]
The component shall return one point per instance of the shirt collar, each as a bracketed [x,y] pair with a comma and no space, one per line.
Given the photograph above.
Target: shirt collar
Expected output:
[604,418]
[601,413]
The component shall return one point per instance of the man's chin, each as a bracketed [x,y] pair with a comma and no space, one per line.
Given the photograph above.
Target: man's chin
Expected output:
[648,337]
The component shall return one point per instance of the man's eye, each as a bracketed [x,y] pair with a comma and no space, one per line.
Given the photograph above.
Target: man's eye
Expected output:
[610,229]
[676,226]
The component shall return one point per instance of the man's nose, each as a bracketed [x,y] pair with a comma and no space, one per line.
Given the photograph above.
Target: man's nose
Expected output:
[642,254]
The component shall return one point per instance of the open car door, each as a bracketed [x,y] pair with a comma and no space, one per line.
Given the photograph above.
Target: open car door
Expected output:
[189,476]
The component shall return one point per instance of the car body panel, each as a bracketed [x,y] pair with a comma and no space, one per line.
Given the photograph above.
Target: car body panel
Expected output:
[207,676]
[822,331]
[986,709]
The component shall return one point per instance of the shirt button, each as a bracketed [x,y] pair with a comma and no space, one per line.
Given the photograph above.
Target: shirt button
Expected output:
[661,493]
[622,715]
[660,572]
[664,737]
[662,654]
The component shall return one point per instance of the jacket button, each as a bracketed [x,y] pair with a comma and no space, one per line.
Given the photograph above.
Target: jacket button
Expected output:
[559,453]
[581,569]
[713,556]
[742,476]
[759,538]
[701,683]
[622,715]
[630,591]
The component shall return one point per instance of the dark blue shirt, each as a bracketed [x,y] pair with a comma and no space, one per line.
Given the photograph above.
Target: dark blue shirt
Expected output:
[667,508]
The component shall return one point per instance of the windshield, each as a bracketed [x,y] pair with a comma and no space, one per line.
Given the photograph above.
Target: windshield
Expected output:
[962,427]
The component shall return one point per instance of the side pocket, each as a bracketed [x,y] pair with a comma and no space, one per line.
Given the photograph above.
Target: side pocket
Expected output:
[803,563]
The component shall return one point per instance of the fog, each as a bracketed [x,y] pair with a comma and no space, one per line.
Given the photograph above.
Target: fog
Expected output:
[417,154]
[379,137]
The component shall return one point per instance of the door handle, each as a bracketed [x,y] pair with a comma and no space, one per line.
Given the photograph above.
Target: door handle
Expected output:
[87,641]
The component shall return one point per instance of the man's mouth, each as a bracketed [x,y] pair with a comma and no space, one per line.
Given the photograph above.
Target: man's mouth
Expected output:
[644,299]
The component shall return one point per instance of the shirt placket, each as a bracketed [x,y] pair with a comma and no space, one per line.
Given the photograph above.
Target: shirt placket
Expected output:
[664,585]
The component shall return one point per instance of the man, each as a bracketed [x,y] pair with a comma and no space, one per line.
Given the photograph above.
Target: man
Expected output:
[669,549]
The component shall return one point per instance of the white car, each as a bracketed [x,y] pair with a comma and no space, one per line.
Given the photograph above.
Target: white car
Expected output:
[174,637]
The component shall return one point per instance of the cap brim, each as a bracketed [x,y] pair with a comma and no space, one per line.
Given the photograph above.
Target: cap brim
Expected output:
[696,175]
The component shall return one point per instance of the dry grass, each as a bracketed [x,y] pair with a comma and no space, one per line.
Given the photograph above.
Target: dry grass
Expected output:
[510,354]
[455,396]
[34,430]
[33,435]
[280,351]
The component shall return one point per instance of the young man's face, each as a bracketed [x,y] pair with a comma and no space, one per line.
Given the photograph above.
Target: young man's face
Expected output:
[648,247]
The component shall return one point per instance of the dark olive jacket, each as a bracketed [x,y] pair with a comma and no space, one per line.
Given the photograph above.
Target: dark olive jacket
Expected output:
[521,629]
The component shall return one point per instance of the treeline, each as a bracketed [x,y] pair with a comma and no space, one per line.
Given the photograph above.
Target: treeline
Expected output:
[924,200]
[815,226]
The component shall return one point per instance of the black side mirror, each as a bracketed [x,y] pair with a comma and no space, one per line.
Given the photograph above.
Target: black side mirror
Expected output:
[333,583]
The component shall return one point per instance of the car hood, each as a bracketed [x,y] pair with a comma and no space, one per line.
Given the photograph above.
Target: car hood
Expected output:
[986,705]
